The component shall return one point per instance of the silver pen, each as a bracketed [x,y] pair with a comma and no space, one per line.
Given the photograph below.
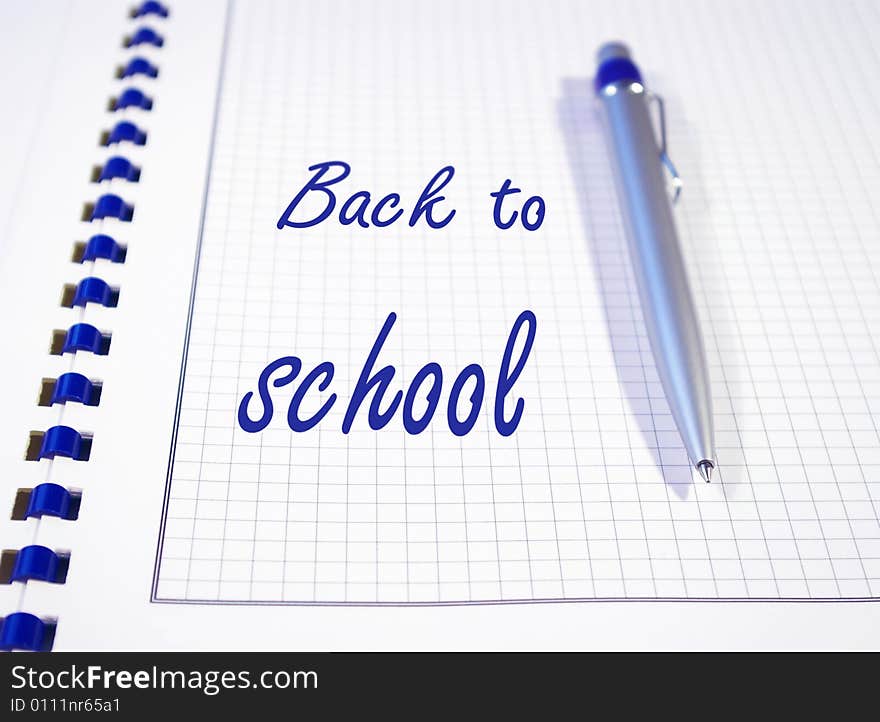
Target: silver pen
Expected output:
[655,254]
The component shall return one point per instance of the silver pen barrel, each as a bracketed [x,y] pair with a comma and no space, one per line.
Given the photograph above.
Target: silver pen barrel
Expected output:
[655,253]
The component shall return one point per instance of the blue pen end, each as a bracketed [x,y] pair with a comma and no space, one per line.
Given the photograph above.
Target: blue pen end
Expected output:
[615,66]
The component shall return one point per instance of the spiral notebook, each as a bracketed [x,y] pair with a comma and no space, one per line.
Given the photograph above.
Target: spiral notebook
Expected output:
[148,286]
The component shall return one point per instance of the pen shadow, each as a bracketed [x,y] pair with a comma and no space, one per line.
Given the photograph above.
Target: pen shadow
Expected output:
[583,136]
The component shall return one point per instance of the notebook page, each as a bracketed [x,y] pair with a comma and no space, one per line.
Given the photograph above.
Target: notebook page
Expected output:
[592,496]
[65,57]
[19,131]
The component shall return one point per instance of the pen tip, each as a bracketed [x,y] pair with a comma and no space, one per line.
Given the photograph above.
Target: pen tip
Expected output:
[705,467]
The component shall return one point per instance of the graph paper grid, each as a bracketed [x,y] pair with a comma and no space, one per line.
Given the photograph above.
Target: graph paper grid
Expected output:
[592,498]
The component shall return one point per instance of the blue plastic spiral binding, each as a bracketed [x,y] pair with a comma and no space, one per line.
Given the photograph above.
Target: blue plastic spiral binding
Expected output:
[111,206]
[64,441]
[52,500]
[133,98]
[126,132]
[39,563]
[26,632]
[145,36]
[151,7]
[119,168]
[21,630]
[85,337]
[103,246]
[95,290]
[76,388]
[139,66]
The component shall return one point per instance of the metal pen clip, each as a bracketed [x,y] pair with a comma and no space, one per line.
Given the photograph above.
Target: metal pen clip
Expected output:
[664,155]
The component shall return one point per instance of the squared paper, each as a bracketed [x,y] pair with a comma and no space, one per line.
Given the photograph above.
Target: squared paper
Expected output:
[592,497]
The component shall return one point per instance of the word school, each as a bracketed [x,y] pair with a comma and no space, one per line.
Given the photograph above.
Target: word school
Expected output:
[254,414]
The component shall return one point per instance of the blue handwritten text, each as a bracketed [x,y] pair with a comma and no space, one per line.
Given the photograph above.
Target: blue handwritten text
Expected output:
[255,414]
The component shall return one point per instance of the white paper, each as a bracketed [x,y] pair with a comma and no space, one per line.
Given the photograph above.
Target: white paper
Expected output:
[591,498]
